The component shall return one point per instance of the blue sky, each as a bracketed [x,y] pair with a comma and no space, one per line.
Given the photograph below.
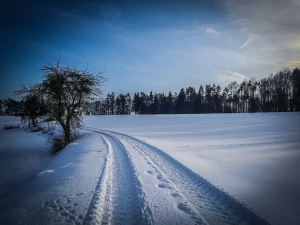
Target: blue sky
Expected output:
[157,46]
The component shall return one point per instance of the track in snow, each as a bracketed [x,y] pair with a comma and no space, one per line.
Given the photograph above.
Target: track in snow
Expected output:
[118,198]
[141,184]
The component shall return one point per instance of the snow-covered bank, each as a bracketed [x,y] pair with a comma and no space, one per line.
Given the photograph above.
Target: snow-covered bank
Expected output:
[59,190]
[22,156]
[253,157]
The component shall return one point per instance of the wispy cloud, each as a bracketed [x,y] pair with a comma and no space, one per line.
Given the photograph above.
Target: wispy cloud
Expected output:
[250,39]
[81,7]
[211,30]
[228,76]
[295,2]
[276,24]
[272,33]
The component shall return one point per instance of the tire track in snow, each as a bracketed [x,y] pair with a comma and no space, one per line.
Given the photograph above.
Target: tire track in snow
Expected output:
[196,197]
[118,198]
[167,204]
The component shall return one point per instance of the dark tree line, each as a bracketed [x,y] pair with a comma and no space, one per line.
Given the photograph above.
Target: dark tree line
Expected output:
[10,107]
[279,92]
[111,105]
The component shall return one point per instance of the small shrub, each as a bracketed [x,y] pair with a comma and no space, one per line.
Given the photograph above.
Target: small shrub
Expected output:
[58,144]
[11,127]
[49,119]
[35,129]
[49,128]
[44,131]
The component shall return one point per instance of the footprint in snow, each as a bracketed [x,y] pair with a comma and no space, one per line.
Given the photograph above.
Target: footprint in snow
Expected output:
[162,186]
[174,195]
[159,177]
[66,209]
[185,208]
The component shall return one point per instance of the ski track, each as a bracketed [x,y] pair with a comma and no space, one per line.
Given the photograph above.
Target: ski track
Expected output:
[141,184]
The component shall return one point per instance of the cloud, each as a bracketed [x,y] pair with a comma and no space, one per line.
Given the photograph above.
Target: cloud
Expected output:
[251,38]
[276,23]
[211,30]
[80,7]
[45,171]
[295,2]
[271,29]
[228,76]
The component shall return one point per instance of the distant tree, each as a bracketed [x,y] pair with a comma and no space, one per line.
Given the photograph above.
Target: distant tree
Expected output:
[136,103]
[12,107]
[191,100]
[296,89]
[150,103]
[233,96]
[107,104]
[128,104]
[103,108]
[264,95]
[118,105]
[225,101]
[209,107]
[199,100]
[158,100]
[163,104]
[32,109]
[180,102]
[122,104]
[218,99]
[170,103]
[97,107]
[144,103]
[253,99]
[64,90]
[112,103]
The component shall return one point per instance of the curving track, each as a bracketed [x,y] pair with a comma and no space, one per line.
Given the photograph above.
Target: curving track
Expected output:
[118,198]
[141,184]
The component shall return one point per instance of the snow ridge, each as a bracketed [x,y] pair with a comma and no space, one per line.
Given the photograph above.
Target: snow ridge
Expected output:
[185,197]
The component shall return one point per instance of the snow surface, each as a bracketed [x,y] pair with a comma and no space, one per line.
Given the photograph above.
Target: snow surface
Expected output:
[156,169]
[253,157]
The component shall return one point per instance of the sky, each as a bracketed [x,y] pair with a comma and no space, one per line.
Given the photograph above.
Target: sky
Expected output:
[157,46]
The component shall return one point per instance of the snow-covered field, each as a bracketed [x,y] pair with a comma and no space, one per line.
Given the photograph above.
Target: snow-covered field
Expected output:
[156,169]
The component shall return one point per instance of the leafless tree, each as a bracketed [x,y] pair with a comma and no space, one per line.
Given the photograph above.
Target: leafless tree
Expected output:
[63,91]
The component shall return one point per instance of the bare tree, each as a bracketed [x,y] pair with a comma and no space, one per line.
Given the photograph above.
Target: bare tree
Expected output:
[32,109]
[64,91]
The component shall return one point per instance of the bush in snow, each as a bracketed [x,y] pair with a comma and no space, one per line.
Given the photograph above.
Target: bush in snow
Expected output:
[10,127]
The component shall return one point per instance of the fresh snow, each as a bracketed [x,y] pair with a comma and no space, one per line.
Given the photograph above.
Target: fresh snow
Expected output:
[156,169]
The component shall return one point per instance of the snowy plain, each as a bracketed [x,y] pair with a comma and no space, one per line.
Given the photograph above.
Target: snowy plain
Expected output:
[249,161]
